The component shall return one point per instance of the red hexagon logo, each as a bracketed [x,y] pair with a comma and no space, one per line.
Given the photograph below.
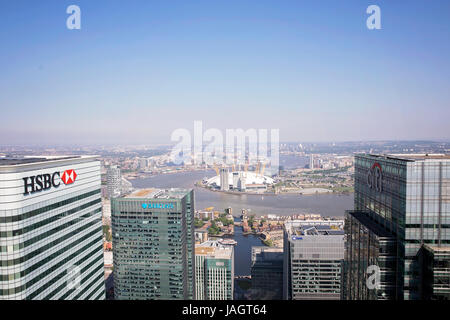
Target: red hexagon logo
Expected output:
[68,176]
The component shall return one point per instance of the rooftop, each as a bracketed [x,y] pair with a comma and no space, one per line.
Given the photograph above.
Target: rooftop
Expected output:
[414,156]
[13,161]
[267,254]
[155,193]
[214,249]
[437,249]
[316,231]
[10,164]
[315,227]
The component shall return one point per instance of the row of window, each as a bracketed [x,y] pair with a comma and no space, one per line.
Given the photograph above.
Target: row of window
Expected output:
[11,262]
[18,232]
[98,260]
[32,241]
[55,205]
[50,270]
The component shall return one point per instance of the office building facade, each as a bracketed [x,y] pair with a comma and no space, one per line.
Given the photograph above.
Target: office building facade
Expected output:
[434,272]
[367,244]
[153,244]
[267,273]
[313,257]
[408,197]
[113,181]
[214,271]
[51,244]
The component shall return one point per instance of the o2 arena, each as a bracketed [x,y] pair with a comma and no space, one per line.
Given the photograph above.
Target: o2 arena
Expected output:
[244,181]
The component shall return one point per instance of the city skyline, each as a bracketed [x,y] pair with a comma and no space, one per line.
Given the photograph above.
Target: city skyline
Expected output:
[219,155]
[134,73]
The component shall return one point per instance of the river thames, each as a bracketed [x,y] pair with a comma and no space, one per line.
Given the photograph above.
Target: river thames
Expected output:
[281,204]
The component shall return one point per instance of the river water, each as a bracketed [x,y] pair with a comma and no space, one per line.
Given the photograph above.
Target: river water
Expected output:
[281,204]
[285,204]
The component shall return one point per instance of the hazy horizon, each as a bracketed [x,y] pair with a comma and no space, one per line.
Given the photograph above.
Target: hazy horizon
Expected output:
[137,71]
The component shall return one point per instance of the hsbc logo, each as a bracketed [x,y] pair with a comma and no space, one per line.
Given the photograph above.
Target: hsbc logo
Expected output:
[68,176]
[46,181]
[375,177]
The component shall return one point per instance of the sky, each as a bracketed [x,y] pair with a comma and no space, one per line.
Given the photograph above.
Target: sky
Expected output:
[138,70]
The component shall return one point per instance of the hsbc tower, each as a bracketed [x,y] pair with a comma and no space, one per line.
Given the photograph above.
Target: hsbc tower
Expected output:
[51,245]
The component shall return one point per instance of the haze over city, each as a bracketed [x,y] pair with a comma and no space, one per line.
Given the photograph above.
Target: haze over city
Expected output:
[134,73]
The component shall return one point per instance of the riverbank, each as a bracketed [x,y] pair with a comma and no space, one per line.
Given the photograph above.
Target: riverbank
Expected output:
[327,205]
[303,192]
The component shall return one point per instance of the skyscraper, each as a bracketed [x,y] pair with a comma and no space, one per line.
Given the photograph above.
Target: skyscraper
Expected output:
[143,163]
[235,180]
[224,183]
[267,273]
[153,244]
[214,271]
[434,272]
[379,248]
[51,244]
[113,181]
[313,257]
[402,203]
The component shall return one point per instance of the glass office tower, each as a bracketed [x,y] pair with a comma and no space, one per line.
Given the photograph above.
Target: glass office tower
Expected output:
[408,197]
[153,239]
[368,244]
[51,240]
[434,266]
[267,273]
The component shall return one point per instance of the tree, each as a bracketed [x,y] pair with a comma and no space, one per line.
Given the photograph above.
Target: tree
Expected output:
[213,229]
[198,223]
[106,233]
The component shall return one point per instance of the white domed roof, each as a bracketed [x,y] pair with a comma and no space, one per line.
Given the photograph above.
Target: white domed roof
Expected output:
[250,178]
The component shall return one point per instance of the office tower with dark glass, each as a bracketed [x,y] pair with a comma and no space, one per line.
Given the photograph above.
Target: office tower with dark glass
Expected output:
[51,241]
[313,258]
[214,271]
[434,276]
[402,204]
[267,273]
[153,244]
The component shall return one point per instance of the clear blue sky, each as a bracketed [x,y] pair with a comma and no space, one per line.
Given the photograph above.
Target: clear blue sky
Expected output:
[137,70]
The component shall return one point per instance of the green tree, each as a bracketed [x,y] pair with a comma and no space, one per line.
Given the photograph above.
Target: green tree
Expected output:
[198,223]
[213,229]
[106,233]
